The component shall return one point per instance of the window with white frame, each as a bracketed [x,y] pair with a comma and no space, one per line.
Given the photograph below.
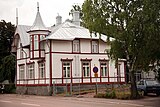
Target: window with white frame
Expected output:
[42,70]
[31,39]
[30,71]
[119,70]
[86,68]
[76,46]
[104,68]
[94,46]
[36,42]
[21,71]
[66,69]
[42,45]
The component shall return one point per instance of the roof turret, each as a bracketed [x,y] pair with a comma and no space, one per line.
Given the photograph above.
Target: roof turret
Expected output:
[38,23]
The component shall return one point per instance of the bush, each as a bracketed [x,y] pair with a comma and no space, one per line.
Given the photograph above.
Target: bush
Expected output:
[122,92]
[111,94]
[123,95]
[100,95]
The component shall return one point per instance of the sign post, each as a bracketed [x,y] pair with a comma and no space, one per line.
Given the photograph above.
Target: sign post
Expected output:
[95,70]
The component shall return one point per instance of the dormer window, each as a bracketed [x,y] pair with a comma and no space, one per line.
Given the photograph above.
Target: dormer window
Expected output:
[76,46]
[95,47]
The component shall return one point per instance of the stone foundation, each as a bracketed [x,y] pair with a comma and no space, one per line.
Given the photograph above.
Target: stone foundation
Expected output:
[46,90]
[33,90]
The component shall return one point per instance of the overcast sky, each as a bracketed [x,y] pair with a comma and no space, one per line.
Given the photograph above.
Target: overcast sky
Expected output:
[27,10]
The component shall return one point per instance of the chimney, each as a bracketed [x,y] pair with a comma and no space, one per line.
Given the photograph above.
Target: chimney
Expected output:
[76,18]
[58,20]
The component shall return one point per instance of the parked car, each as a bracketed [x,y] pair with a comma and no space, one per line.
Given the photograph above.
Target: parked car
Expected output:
[148,86]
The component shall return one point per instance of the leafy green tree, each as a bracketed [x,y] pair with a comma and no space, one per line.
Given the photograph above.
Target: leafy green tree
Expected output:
[6,36]
[8,68]
[134,24]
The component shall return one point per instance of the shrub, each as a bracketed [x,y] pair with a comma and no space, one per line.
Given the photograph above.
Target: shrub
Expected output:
[100,95]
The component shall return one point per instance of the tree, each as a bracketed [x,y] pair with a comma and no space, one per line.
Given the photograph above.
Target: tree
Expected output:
[134,24]
[6,60]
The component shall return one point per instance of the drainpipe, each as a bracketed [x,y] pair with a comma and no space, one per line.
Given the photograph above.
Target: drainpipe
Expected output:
[50,83]
[26,81]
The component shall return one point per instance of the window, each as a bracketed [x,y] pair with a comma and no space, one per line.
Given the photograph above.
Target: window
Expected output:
[66,69]
[35,42]
[104,69]
[42,37]
[119,70]
[31,71]
[21,53]
[21,71]
[86,69]
[41,70]
[94,46]
[31,39]
[76,46]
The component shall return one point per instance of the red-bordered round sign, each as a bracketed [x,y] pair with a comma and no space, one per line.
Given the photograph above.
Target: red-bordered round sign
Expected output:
[95,69]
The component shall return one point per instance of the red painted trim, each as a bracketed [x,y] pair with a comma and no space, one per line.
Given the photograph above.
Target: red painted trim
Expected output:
[21,64]
[32,85]
[73,84]
[93,83]
[40,61]
[62,73]
[66,59]
[125,71]
[39,45]
[90,72]
[38,50]
[71,74]
[32,46]
[30,63]
[86,59]
[118,75]
[108,71]
[77,53]
[100,72]
[37,58]
[104,59]
[39,30]
[50,63]
[82,70]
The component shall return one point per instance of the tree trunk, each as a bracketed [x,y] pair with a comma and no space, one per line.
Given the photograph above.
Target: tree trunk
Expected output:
[134,91]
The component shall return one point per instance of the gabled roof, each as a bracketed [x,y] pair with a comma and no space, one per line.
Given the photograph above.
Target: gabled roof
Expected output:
[70,31]
[21,30]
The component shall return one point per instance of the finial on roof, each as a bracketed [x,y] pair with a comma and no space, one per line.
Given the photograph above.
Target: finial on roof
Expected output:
[16,16]
[38,6]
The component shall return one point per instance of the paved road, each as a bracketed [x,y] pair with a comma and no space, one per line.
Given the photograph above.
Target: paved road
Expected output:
[13,100]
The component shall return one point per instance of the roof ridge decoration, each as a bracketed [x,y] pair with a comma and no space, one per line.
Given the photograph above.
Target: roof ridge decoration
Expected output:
[38,23]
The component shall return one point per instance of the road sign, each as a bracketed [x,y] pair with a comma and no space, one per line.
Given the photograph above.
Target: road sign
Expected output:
[95,69]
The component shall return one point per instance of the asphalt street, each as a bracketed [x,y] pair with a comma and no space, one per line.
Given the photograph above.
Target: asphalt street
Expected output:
[13,100]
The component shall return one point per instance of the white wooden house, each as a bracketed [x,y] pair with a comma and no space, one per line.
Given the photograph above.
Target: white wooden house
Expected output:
[62,54]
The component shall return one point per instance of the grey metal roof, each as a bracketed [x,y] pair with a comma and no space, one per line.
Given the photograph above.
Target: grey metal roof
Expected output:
[70,31]
[64,31]
[21,30]
[38,24]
